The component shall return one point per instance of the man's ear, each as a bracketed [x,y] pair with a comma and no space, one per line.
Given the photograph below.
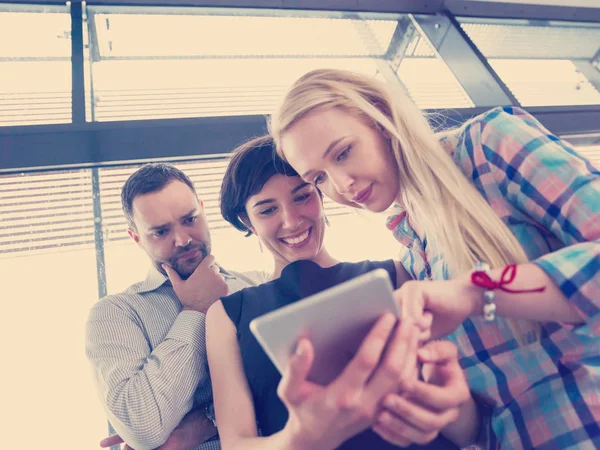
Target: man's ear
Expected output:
[133,235]
[201,204]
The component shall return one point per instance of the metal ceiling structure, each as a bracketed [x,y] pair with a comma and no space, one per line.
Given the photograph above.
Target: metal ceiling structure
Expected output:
[83,100]
[114,126]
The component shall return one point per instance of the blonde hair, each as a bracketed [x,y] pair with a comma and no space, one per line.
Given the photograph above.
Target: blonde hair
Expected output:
[439,199]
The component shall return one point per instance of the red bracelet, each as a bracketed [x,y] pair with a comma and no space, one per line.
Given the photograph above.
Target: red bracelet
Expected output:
[482,279]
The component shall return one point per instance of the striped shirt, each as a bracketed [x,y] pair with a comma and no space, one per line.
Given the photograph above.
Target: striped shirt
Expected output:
[546,396]
[149,358]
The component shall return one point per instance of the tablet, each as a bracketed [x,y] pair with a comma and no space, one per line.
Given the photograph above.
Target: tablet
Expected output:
[335,320]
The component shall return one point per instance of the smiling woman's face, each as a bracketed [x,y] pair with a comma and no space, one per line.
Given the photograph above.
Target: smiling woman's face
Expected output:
[287,216]
[350,161]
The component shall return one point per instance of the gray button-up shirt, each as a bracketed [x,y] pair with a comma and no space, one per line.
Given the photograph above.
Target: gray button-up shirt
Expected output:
[149,358]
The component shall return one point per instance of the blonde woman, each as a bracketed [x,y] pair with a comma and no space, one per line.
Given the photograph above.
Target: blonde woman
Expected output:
[499,190]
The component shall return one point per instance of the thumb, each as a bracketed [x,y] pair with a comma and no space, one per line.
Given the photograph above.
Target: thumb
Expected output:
[172,274]
[410,299]
[115,439]
[292,383]
[438,352]
[208,261]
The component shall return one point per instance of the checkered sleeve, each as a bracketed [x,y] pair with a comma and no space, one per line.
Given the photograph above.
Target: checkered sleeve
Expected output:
[146,392]
[542,176]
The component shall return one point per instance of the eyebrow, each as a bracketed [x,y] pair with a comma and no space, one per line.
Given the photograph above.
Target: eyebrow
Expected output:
[185,216]
[327,151]
[293,191]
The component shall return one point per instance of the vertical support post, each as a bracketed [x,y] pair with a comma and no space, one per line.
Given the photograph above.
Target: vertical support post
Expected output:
[94,56]
[99,245]
[77,70]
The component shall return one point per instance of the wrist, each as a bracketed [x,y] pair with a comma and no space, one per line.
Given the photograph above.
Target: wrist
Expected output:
[465,429]
[191,308]
[485,288]
[473,295]
[294,438]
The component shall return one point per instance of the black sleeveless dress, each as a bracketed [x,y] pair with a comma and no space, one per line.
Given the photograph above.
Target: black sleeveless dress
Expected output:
[298,280]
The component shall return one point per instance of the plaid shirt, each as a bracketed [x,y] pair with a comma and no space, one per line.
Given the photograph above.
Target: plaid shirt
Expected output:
[546,396]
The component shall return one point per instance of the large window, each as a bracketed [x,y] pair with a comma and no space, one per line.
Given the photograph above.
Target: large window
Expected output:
[63,237]
[542,64]
[158,63]
[592,153]
[35,66]
[49,282]
[50,258]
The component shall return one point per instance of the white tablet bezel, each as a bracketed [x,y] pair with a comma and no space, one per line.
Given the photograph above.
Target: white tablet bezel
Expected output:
[335,320]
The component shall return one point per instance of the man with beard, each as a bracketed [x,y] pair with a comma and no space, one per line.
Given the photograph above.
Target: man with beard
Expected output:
[146,345]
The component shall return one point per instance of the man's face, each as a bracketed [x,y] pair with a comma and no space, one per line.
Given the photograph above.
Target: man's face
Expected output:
[171,227]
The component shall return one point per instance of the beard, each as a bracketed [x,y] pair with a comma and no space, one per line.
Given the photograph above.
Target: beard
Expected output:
[186,267]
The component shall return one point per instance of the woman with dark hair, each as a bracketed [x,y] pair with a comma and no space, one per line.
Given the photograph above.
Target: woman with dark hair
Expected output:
[262,195]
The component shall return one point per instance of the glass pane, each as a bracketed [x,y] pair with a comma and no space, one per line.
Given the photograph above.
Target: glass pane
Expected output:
[168,62]
[428,79]
[46,212]
[525,39]
[48,267]
[35,69]
[48,263]
[227,35]
[125,90]
[592,153]
[537,61]
[546,82]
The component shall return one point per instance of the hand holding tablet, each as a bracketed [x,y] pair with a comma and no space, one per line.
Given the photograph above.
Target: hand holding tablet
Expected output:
[335,321]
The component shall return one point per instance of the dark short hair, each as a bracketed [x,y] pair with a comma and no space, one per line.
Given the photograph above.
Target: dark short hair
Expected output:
[252,164]
[149,178]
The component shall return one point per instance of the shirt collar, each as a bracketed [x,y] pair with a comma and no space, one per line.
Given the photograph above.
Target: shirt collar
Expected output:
[156,279]
[153,281]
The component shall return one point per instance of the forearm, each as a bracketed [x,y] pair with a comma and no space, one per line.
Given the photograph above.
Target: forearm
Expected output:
[194,429]
[274,442]
[464,431]
[285,439]
[145,392]
[551,305]
[143,413]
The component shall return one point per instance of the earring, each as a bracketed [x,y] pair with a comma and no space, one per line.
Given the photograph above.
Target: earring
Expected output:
[260,245]
[327,221]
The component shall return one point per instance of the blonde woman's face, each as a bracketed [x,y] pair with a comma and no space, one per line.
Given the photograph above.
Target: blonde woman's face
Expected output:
[350,161]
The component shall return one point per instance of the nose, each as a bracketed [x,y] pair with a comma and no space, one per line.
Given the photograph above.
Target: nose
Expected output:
[291,218]
[342,182]
[182,238]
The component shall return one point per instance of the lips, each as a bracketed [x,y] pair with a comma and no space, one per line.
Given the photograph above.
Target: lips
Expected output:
[364,195]
[190,254]
[297,240]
